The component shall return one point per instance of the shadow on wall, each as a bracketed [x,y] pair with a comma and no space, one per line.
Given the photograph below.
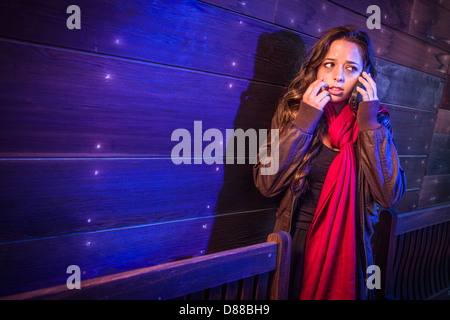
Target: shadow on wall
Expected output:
[278,59]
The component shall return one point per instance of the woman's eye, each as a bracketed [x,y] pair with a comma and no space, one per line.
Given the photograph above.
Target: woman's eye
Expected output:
[328,64]
[352,69]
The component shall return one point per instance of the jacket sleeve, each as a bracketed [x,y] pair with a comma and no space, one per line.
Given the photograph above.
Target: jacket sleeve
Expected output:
[378,156]
[292,145]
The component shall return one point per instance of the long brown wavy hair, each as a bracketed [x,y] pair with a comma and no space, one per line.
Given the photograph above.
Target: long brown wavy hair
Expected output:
[289,103]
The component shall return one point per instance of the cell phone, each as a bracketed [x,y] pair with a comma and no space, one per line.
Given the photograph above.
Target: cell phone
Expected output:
[356,97]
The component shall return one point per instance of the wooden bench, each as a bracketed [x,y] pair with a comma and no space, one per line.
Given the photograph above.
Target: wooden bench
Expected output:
[413,253]
[255,272]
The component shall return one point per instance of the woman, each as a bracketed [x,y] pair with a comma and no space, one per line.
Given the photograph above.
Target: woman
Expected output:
[335,164]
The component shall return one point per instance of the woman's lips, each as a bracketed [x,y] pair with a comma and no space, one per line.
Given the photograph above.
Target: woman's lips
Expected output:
[335,91]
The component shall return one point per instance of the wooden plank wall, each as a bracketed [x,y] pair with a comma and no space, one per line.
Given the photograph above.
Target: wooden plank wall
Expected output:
[87,117]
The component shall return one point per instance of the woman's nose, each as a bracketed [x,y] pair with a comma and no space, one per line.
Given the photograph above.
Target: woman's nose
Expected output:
[339,75]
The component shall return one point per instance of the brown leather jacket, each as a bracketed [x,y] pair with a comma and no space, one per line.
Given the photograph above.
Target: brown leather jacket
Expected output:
[381,180]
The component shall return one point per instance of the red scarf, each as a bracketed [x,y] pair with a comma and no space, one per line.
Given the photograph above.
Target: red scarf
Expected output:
[330,253]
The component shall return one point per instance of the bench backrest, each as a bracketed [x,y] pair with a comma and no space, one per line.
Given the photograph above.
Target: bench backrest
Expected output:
[413,253]
[258,271]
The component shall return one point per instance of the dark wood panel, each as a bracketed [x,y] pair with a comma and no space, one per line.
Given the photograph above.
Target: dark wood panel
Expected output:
[236,230]
[408,202]
[112,107]
[183,33]
[444,4]
[313,18]
[400,85]
[261,9]
[442,122]
[30,265]
[414,168]
[435,190]
[438,162]
[423,19]
[395,14]
[59,196]
[445,101]
[33,264]
[430,22]
[62,103]
[412,129]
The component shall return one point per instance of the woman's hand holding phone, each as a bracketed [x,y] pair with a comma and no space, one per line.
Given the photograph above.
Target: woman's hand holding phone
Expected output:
[313,97]
[369,84]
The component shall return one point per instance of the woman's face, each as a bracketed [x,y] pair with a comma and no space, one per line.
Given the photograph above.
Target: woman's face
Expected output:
[340,69]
